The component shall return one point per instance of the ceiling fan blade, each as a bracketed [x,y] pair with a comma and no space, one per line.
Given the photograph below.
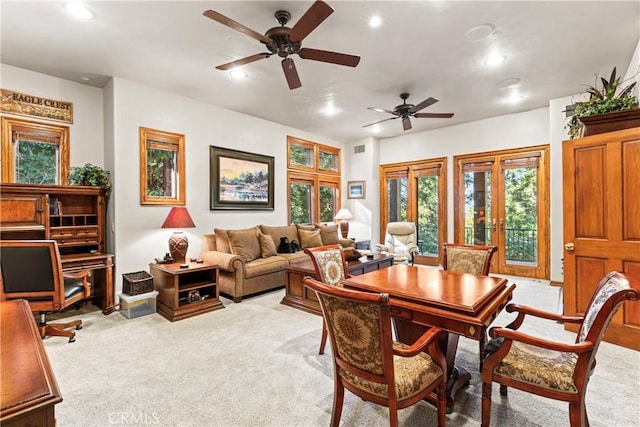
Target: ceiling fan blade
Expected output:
[379,121]
[434,115]
[406,123]
[318,12]
[291,73]
[330,57]
[212,14]
[243,61]
[380,110]
[423,104]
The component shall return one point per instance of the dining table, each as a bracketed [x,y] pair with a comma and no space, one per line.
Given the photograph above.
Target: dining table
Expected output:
[420,297]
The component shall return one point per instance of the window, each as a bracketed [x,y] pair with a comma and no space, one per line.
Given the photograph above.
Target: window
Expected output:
[162,171]
[34,153]
[314,181]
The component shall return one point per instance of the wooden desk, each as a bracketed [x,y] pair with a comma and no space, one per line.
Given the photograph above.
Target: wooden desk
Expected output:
[297,295]
[460,303]
[28,389]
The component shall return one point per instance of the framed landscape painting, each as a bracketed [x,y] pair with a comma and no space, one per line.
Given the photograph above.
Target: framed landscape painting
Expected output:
[240,180]
[356,190]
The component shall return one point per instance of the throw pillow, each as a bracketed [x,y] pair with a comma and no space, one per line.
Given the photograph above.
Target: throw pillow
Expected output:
[267,245]
[245,243]
[276,233]
[328,234]
[310,239]
[222,240]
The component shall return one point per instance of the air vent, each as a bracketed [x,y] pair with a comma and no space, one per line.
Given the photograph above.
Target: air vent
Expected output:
[569,110]
[358,149]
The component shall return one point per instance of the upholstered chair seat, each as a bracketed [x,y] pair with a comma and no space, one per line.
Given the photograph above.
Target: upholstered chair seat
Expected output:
[539,366]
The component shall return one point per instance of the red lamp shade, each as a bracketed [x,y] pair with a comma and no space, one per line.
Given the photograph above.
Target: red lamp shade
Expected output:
[178,243]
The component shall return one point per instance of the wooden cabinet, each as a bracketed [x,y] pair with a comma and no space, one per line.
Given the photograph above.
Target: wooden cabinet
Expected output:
[73,216]
[601,198]
[185,292]
[299,296]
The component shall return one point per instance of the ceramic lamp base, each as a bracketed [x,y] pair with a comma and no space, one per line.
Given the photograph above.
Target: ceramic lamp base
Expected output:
[178,246]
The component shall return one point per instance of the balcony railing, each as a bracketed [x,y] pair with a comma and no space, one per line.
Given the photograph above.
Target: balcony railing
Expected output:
[521,243]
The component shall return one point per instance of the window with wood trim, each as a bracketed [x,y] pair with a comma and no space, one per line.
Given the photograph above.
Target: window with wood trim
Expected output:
[313,178]
[34,153]
[417,192]
[162,168]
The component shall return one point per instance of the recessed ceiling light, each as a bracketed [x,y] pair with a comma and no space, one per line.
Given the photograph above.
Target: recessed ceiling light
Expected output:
[494,58]
[375,21]
[514,98]
[480,32]
[78,10]
[330,110]
[85,78]
[375,128]
[508,83]
[238,74]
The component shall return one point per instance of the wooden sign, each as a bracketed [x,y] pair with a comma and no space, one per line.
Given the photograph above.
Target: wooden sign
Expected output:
[35,106]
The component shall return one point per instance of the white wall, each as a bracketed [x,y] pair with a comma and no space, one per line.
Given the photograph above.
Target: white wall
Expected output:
[362,167]
[87,127]
[139,238]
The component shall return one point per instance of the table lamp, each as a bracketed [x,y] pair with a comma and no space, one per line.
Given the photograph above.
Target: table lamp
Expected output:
[178,243]
[344,216]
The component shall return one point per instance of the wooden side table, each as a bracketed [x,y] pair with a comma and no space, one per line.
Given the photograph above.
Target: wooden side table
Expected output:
[185,292]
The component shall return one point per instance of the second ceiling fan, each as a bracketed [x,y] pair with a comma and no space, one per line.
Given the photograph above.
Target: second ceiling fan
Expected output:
[404,111]
[284,41]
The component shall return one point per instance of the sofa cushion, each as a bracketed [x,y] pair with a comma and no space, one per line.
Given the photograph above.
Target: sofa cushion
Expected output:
[267,245]
[262,266]
[295,257]
[222,240]
[245,244]
[328,234]
[310,239]
[288,231]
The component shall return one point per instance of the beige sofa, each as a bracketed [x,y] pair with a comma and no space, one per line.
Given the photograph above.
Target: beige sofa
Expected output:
[248,260]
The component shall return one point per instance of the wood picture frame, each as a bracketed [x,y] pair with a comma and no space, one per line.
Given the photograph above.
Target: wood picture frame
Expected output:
[356,190]
[240,180]
[162,168]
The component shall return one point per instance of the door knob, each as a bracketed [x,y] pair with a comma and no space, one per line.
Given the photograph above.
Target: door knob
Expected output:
[569,246]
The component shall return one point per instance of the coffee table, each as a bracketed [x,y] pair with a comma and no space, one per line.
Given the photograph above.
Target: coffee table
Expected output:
[298,296]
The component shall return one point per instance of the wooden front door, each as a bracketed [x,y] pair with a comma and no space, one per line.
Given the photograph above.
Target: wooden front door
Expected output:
[601,193]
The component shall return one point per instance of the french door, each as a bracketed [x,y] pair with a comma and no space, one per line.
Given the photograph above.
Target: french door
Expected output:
[416,192]
[501,199]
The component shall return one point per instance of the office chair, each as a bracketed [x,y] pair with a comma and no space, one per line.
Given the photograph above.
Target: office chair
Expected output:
[366,360]
[551,369]
[331,268]
[31,270]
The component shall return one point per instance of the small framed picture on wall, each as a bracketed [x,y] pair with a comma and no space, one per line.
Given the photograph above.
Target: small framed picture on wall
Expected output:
[356,190]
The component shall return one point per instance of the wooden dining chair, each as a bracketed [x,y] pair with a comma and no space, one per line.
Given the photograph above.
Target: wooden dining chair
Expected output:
[32,270]
[366,360]
[551,369]
[330,265]
[473,259]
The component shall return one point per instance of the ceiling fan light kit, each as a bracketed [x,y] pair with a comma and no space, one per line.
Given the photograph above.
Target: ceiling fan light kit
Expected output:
[284,41]
[405,111]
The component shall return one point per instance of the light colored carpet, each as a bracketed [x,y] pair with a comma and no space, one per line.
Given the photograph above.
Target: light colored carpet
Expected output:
[256,364]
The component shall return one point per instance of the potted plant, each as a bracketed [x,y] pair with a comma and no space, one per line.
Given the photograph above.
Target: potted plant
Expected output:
[90,175]
[601,107]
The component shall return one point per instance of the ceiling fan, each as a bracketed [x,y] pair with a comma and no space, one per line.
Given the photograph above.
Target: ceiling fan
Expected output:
[404,111]
[285,41]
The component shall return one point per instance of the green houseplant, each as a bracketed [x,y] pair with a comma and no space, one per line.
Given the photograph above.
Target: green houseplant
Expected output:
[605,100]
[90,175]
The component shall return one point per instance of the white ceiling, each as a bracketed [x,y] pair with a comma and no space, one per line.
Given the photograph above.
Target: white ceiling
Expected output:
[554,47]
